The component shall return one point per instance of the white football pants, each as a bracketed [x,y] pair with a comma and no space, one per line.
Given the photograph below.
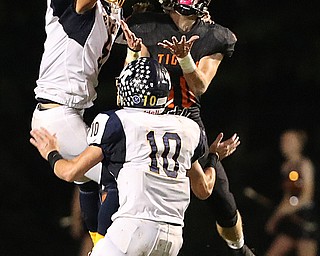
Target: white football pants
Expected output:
[137,237]
[71,132]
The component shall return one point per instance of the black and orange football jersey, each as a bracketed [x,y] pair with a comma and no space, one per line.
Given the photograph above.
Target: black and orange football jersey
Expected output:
[213,38]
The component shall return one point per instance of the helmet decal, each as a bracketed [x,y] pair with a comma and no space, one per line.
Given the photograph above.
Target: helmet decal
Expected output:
[136,99]
[143,83]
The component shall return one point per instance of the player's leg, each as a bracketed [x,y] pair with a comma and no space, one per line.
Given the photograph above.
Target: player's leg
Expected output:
[233,235]
[118,239]
[89,197]
[110,203]
[105,246]
[229,223]
[169,241]
[223,205]
[71,132]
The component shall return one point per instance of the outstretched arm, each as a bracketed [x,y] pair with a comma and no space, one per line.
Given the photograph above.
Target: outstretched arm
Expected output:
[135,48]
[68,170]
[198,77]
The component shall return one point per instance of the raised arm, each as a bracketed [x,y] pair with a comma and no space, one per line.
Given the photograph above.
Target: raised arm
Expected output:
[198,77]
[135,47]
[82,6]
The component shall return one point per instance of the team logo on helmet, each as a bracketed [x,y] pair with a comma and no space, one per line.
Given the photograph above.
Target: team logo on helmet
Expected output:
[136,99]
[144,83]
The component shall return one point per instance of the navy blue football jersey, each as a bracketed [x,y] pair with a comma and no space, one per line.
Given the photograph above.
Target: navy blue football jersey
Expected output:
[147,153]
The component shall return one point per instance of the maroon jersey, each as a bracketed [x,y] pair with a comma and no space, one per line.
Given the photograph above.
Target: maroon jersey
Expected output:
[213,38]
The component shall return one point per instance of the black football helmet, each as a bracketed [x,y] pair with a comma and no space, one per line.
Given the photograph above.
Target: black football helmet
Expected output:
[145,84]
[186,7]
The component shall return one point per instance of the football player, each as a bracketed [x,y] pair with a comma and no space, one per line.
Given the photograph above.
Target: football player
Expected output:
[192,49]
[80,35]
[153,158]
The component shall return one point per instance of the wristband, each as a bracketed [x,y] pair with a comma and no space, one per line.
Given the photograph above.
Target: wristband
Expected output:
[212,160]
[53,157]
[187,64]
[132,55]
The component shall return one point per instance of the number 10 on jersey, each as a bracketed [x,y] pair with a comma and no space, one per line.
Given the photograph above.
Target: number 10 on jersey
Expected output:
[164,150]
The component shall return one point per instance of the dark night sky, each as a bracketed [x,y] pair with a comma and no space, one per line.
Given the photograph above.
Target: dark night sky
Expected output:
[271,83]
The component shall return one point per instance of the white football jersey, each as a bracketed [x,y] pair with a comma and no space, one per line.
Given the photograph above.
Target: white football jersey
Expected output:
[75,49]
[149,156]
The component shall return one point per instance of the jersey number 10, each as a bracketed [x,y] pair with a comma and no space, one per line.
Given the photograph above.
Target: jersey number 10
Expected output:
[154,151]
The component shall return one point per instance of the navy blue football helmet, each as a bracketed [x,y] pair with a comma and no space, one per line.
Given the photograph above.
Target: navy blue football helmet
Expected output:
[144,83]
[186,7]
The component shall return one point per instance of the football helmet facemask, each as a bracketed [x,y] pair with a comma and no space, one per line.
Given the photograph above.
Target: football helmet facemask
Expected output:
[186,7]
[144,84]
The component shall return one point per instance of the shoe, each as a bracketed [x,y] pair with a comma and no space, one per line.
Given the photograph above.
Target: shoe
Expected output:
[244,251]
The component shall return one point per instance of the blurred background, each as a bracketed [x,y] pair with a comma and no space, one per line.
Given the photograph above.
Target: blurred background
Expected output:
[271,83]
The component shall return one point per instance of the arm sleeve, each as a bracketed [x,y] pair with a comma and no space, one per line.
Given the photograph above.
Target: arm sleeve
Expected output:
[230,41]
